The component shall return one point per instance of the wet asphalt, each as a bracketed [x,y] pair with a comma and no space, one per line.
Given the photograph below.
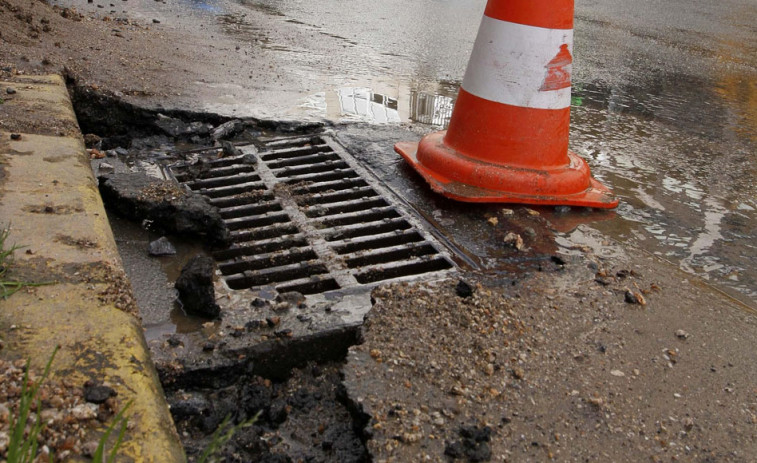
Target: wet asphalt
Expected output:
[664,105]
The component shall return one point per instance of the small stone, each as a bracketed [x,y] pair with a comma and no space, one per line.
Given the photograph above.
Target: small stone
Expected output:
[273,321]
[514,240]
[173,341]
[493,221]
[464,289]
[156,21]
[507,212]
[161,247]
[98,394]
[15,136]
[518,373]
[292,297]
[259,302]
[195,286]
[88,449]
[285,333]
[688,424]
[86,411]
[10,91]
[617,373]
[681,334]
[532,212]
[632,297]
[105,168]
[208,347]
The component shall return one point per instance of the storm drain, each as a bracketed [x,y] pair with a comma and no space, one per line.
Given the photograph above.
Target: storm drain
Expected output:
[305,216]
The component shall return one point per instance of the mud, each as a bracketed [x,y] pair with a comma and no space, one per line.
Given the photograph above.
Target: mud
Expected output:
[299,419]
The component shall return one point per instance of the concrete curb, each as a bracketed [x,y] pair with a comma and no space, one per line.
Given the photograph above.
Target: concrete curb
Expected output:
[49,197]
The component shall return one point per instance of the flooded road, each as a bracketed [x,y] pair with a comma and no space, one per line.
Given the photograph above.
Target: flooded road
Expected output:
[664,99]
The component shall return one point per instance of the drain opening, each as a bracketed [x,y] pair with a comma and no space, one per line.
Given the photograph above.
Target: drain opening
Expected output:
[308,217]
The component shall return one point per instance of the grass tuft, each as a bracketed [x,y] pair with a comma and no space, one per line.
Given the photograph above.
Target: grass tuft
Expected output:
[22,447]
[221,436]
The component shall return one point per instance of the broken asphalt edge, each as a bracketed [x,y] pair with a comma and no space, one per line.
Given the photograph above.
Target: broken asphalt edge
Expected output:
[49,198]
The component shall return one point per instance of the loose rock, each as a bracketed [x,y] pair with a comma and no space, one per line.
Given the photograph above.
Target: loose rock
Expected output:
[464,289]
[169,208]
[514,240]
[195,286]
[161,247]
[98,393]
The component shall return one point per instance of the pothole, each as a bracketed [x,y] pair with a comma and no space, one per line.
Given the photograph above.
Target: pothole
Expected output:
[311,234]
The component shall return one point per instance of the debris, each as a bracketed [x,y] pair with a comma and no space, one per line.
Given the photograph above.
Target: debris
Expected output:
[105,168]
[195,286]
[229,150]
[97,393]
[293,298]
[93,141]
[169,208]
[179,129]
[514,241]
[227,129]
[94,153]
[464,289]
[681,334]
[161,247]
[474,445]
[632,297]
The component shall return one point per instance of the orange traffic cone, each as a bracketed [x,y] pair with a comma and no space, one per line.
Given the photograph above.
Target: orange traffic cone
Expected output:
[507,140]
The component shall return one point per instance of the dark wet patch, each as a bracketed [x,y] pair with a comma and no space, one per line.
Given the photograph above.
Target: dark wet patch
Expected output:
[55,159]
[300,418]
[44,271]
[52,209]
[82,243]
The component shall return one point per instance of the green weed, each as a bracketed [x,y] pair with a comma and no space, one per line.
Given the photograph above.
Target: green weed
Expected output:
[22,446]
[120,422]
[221,436]
[22,449]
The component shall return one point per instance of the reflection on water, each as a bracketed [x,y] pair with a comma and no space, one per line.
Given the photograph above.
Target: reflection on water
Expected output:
[364,104]
[431,109]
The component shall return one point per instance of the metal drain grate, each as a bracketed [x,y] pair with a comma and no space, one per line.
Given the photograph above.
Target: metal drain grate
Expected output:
[305,216]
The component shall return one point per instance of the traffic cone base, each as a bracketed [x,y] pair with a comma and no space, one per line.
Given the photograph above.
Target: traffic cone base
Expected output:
[507,139]
[461,178]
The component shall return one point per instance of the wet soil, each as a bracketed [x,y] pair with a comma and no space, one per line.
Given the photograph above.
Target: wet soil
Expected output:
[300,419]
[561,366]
